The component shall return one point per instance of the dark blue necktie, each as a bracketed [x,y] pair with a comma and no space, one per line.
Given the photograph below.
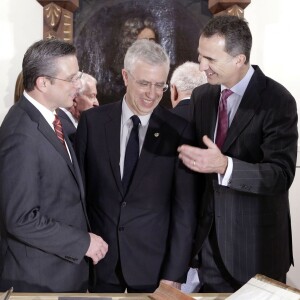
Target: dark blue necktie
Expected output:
[132,153]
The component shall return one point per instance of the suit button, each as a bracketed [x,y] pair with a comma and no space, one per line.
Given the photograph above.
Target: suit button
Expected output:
[121,228]
[123,204]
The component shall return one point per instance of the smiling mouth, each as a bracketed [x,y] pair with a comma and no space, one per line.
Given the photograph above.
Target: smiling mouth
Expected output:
[148,101]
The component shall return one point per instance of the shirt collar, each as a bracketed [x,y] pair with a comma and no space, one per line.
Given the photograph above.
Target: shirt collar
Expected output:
[46,113]
[127,114]
[241,86]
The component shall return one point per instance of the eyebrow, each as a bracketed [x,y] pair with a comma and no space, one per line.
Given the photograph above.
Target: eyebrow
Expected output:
[207,57]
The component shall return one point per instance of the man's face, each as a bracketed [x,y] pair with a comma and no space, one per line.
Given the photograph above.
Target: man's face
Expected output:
[219,66]
[144,86]
[63,90]
[88,98]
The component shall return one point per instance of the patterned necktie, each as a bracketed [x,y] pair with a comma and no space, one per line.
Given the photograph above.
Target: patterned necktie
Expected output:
[222,118]
[59,131]
[131,153]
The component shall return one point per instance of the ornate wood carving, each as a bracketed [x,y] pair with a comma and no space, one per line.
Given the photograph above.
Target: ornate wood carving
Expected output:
[58,15]
[228,7]
[58,19]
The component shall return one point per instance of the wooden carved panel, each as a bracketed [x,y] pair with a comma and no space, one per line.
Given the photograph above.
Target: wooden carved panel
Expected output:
[228,7]
[58,19]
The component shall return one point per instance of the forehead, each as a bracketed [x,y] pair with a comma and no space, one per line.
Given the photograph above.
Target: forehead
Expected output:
[215,43]
[147,71]
[146,33]
[67,64]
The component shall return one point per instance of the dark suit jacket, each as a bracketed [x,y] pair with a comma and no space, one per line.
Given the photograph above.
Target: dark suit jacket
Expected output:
[68,127]
[42,220]
[182,109]
[251,215]
[149,229]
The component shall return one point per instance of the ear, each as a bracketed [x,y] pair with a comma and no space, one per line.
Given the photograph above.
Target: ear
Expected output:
[240,60]
[125,76]
[175,92]
[174,95]
[41,83]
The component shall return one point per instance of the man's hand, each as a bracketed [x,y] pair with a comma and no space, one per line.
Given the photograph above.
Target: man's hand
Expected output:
[209,160]
[97,249]
[174,284]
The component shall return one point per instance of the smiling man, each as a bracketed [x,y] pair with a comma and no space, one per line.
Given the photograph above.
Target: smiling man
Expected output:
[44,238]
[142,203]
[246,126]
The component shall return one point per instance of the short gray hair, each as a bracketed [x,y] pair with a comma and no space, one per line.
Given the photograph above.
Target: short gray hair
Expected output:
[188,76]
[146,51]
[86,80]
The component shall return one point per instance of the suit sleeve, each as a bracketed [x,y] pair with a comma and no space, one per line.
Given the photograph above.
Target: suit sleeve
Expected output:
[183,219]
[22,210]
[270,147]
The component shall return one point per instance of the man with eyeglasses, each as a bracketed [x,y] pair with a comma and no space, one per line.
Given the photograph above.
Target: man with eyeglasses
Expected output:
[45,239]
[145,213]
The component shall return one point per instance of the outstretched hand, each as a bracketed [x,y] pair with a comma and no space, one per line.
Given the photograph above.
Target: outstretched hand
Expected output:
[210,160]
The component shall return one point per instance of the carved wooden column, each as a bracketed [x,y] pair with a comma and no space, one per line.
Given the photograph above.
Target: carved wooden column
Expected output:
[58,19]
[228,7]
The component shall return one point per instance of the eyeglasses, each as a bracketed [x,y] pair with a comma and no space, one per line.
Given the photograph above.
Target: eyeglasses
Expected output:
[72,80]
[161,87]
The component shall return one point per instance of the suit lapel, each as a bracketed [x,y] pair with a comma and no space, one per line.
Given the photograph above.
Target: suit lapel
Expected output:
[112,132]
[246,110]
[208,113]
[46,130]
[76,172]
[64,117]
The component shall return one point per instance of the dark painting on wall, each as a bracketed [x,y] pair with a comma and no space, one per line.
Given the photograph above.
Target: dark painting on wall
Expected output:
[103,30]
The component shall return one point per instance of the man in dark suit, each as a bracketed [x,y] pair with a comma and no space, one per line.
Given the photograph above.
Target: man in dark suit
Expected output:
[184,79]
[43,223]
[244,223]
[149,225]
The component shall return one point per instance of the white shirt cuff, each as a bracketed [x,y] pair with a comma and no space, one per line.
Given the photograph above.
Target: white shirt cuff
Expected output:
[224,179]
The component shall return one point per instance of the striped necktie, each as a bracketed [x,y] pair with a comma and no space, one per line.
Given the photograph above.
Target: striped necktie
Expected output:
[59,131]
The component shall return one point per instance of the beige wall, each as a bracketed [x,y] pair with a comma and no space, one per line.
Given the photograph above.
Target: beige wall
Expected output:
[21,25]
[274,25]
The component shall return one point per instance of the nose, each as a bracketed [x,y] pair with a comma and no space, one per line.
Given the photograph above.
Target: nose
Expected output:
[203,65]
[95,102]
[152,92]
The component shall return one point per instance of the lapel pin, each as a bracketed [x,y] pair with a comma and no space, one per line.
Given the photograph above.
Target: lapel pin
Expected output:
[156,134]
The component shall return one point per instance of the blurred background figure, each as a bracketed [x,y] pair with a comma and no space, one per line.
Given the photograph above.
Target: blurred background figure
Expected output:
[19,87]
[134,29]
[86,98]
[184,79]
